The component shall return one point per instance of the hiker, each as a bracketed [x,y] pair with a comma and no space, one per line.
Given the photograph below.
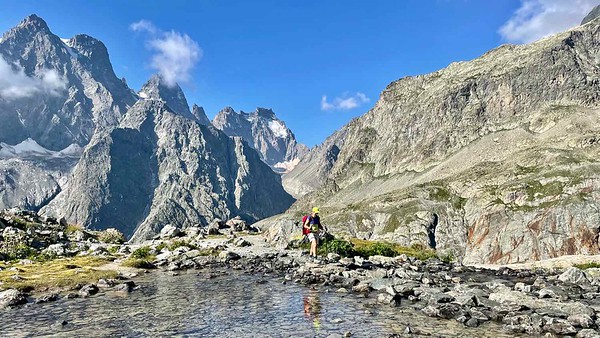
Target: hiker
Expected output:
[312,226]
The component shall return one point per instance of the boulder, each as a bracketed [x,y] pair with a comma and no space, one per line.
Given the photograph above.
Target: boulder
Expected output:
[213,228]
[11,297]
[559,326]
[228,256]
[49,297]
[240,242]
[588,333]
[192,232]
[80,236]
[55,250]
[125,287]
[573,275]
[237,224]
[170,231]
[581,320]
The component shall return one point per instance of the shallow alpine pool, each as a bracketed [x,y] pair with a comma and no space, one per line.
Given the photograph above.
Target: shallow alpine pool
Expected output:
[230,304]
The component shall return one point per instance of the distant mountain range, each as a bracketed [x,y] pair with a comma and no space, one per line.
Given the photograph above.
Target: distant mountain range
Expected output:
[77,142]
[263,131]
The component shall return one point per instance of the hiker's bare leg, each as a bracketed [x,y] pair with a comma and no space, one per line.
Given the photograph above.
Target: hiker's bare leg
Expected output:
[313,248]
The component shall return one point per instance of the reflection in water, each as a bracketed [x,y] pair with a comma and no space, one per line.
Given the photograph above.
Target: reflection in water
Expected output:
[312,308]
[233,305]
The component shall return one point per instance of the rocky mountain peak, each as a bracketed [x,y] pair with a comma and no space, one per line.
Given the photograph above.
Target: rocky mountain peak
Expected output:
[263,131]
[80,91]
[227,110]
[594,14]
[266,113]
[90,47]
[200,115]
[157,89]
[33,23]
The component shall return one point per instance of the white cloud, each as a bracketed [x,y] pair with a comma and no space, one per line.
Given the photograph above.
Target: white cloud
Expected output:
[536,19]
[175,54]
[143,26]
[15,84]
[344,102]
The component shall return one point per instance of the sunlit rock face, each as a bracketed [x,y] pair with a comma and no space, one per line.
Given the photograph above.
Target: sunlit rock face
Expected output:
[264,132]
[494,160]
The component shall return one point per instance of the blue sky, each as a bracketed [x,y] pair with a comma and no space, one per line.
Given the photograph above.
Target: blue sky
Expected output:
[287,55]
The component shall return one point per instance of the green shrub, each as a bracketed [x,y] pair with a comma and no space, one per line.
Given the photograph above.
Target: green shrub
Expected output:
[113,249]
[175,244]
[13,250]
[142,252]
[111,236]
[338,246]
[377,249]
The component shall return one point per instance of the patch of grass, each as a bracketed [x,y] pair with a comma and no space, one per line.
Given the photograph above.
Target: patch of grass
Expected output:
[366,248]
[55,274]
[209,252]
[392,224]
[140,263]
[142,252]
[443,194]
[536,189]
[590,265]
[175,244]
[23,224]
[72,228]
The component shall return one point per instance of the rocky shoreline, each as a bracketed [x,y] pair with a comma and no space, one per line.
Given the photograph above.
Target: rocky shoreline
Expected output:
[551,302]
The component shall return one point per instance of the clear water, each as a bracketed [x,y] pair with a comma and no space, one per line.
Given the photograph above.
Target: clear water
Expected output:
[230,305]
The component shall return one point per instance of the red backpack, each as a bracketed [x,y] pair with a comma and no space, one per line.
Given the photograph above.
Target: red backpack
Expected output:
[305,231]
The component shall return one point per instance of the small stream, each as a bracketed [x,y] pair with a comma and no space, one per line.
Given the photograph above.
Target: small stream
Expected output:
[231,304]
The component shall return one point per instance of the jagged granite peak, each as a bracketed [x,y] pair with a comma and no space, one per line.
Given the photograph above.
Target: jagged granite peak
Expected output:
[157,89]
[93,49]
[200,115]
[592,15]
[266,113]
[494,160]
[263,131]
[158,167]
[33,23]
[84,95]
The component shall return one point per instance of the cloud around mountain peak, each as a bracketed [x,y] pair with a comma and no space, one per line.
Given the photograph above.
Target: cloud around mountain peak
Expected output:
[174,54]
[15,84]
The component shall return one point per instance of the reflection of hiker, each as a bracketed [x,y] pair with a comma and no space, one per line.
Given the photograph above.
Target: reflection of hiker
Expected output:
[312,309]
[313,226]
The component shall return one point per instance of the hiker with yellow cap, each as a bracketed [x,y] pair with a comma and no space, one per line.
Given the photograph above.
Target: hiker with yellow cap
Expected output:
[313,227]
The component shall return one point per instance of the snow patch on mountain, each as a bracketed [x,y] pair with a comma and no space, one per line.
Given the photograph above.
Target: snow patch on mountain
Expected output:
[278,129]
[287,166]
[30,148]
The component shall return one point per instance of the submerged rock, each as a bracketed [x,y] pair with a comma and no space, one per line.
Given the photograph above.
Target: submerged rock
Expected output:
[88,290]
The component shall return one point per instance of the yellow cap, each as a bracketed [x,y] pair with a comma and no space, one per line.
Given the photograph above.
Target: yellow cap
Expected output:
[315,210]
